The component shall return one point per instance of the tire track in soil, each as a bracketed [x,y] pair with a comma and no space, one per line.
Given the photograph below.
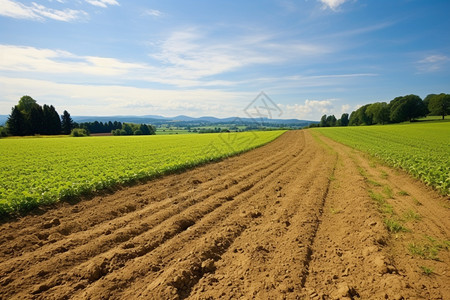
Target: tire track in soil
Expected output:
[289,220]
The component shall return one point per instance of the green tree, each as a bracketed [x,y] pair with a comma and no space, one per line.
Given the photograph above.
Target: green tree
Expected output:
[344,120]
[360,117]
[323,121]
[439,105]
[379,112]
[407,108]
[55,121]
[331,121]
[16,122]
[3,132]
[128,130]
[26,103]
[36,120]
[66,123]
[426,100]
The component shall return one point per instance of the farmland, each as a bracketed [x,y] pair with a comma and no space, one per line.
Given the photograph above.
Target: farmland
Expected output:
[36,171]
[422,149]
[300,217]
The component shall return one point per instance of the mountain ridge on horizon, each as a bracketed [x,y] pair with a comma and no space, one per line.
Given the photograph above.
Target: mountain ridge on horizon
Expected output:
[178,118]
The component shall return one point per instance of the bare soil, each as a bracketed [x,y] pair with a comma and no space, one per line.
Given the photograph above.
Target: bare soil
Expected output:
[294,219]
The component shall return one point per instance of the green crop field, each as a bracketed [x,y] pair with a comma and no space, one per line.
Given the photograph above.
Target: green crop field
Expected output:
[35,171]
[422,149]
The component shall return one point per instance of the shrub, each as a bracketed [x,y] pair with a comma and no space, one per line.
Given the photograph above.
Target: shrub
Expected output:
[79,132]
[3,132]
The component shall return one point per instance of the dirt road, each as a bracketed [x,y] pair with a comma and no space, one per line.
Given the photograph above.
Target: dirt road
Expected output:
[294,219]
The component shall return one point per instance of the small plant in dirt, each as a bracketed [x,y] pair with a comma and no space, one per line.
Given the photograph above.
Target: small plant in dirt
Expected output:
[394,225]
[388,192]
[417,202]
[426,270]
[335,210]
[411,215]
[403,193]
[373,182]
[429,248]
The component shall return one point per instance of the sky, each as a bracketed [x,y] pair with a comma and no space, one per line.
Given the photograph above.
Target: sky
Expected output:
[213,58]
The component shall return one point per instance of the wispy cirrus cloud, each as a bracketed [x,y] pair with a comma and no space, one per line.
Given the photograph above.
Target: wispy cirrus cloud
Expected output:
[102,3]
[193,54]
[153,13]
[332,4]
[38,12]
[432,63]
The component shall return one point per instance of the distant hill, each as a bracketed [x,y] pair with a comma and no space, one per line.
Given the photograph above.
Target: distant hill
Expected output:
[155,119]
[3,119]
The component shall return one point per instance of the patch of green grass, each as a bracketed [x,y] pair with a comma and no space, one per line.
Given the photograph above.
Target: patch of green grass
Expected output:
[426,270]
[388,192]
[373,182]
[363,172]
[425,251]
[411,215]
[394,225]
[428,249]
[384,175]
[403,193]
[417,202]
[376,197]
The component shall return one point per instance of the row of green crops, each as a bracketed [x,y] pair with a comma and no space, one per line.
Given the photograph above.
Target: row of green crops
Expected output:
[422,149]
[41,171]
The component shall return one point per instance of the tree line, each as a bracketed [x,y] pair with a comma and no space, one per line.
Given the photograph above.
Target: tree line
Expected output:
[30,118]
[400,109]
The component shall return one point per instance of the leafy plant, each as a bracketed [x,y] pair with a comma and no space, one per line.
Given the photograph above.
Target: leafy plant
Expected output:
[427,271]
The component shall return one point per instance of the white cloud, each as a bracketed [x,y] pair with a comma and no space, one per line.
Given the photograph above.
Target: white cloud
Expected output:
[432,63]
[333,4]
[153,13]
[192,54]
[38,12]
[102,3]
[81,99]
[311,109]
[29,59]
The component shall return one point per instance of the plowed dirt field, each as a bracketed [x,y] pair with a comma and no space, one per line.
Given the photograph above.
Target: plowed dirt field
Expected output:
[293,219]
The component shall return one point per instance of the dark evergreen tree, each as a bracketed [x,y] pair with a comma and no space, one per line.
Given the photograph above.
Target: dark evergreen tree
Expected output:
[55,127]
[323,121]
[37,120]
[66,123]
[16,122]
[344,120]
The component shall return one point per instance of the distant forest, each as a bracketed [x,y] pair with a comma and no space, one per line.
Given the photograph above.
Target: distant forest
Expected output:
[400,109]
[30,118]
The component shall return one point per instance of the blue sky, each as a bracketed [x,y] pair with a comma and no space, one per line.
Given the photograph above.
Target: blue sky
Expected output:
[198,57]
